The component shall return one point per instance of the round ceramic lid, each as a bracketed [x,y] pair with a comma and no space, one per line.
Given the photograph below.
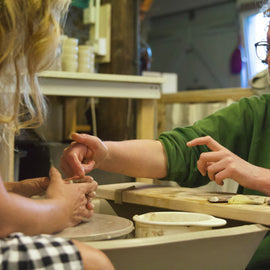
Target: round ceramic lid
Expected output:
[99,227]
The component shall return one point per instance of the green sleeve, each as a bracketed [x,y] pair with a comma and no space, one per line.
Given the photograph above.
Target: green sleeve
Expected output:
[236,127]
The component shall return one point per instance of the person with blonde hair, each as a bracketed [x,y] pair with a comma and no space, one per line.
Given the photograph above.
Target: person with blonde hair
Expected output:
[29,37]
[231,143]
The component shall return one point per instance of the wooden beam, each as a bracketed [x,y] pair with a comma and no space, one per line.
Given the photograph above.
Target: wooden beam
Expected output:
[211,95]
[70,117]
[113,114]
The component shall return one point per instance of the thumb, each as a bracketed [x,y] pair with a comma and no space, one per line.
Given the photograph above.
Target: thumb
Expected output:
[89,166]
[87,140]
[54,175]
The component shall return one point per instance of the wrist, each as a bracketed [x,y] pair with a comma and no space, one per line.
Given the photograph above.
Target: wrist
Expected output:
[60,214]
[263,181]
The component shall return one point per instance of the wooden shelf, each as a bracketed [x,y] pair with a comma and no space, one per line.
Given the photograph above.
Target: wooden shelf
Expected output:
[77,84]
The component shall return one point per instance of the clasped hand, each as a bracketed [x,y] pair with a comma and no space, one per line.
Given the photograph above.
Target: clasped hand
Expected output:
[76,198]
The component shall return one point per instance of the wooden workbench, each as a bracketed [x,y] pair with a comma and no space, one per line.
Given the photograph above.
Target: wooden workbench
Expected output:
[183,199]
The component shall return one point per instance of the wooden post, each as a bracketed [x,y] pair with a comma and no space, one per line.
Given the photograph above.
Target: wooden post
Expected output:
[146,119]
[70,117]
[7,154]
[114,121]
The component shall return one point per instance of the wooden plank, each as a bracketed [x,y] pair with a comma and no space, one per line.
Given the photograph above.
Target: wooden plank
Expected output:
[161,116]
[70,117]
[211,95]
[7,154]
[10,164]
[187,199]
[121,78]
[146,119]
[105,32]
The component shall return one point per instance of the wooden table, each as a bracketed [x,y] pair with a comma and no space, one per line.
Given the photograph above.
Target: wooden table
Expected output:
[183,199]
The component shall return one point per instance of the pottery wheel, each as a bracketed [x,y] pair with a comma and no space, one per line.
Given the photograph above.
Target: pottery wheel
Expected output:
[99,227]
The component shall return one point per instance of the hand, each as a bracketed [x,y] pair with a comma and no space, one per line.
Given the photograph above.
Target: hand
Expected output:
[85,179]
[76,198]
[222,163]
[83,155]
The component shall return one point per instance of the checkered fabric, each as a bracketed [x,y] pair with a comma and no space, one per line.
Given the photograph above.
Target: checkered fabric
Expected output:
[22,252]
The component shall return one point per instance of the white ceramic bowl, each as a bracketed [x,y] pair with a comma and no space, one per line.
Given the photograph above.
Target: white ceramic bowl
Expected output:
[86,48]
[69,57]
[70,50]
[70,42]
[165,223]
[69,66]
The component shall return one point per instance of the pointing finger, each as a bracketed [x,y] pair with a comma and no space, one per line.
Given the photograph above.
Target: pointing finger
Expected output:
[208,141]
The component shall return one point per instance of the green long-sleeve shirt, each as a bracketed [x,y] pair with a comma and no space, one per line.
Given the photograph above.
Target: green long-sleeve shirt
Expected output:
[243,128]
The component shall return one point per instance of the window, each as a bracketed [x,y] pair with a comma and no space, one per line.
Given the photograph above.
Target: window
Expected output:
[254,29]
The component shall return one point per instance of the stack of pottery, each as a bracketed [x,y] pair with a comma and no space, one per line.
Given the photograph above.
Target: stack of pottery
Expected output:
[70,54]
[86,59]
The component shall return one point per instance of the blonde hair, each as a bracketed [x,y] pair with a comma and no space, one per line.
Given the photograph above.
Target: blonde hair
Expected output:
[29,37]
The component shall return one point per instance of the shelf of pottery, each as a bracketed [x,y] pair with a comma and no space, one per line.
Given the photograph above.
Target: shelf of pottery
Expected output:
[73,57]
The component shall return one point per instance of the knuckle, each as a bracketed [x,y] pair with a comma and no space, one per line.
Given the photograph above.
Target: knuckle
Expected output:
[229,159]
[203,156]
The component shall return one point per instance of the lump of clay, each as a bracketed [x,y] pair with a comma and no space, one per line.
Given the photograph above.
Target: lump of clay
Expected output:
[244,199]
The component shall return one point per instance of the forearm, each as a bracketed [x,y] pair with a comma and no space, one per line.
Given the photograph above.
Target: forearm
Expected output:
[29,216]
[136,158]
[28,187]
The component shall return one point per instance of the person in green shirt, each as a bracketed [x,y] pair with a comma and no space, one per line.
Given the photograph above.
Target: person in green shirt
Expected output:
[232,143]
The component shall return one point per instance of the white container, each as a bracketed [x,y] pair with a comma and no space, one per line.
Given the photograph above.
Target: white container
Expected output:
[84,68]
[69,55]
[86,59]
[69,61]
[70,42]
[68,65]
[70,50]
[166,223]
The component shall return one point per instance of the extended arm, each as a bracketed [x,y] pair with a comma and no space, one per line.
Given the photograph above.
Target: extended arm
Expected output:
[135,158]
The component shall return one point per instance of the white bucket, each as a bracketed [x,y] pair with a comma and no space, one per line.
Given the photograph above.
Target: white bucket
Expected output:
[165,223]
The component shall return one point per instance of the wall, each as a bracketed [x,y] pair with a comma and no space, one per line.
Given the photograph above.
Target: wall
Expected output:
[197,45]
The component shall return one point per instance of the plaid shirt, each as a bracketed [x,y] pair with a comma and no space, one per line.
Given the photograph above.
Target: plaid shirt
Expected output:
[22,252]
